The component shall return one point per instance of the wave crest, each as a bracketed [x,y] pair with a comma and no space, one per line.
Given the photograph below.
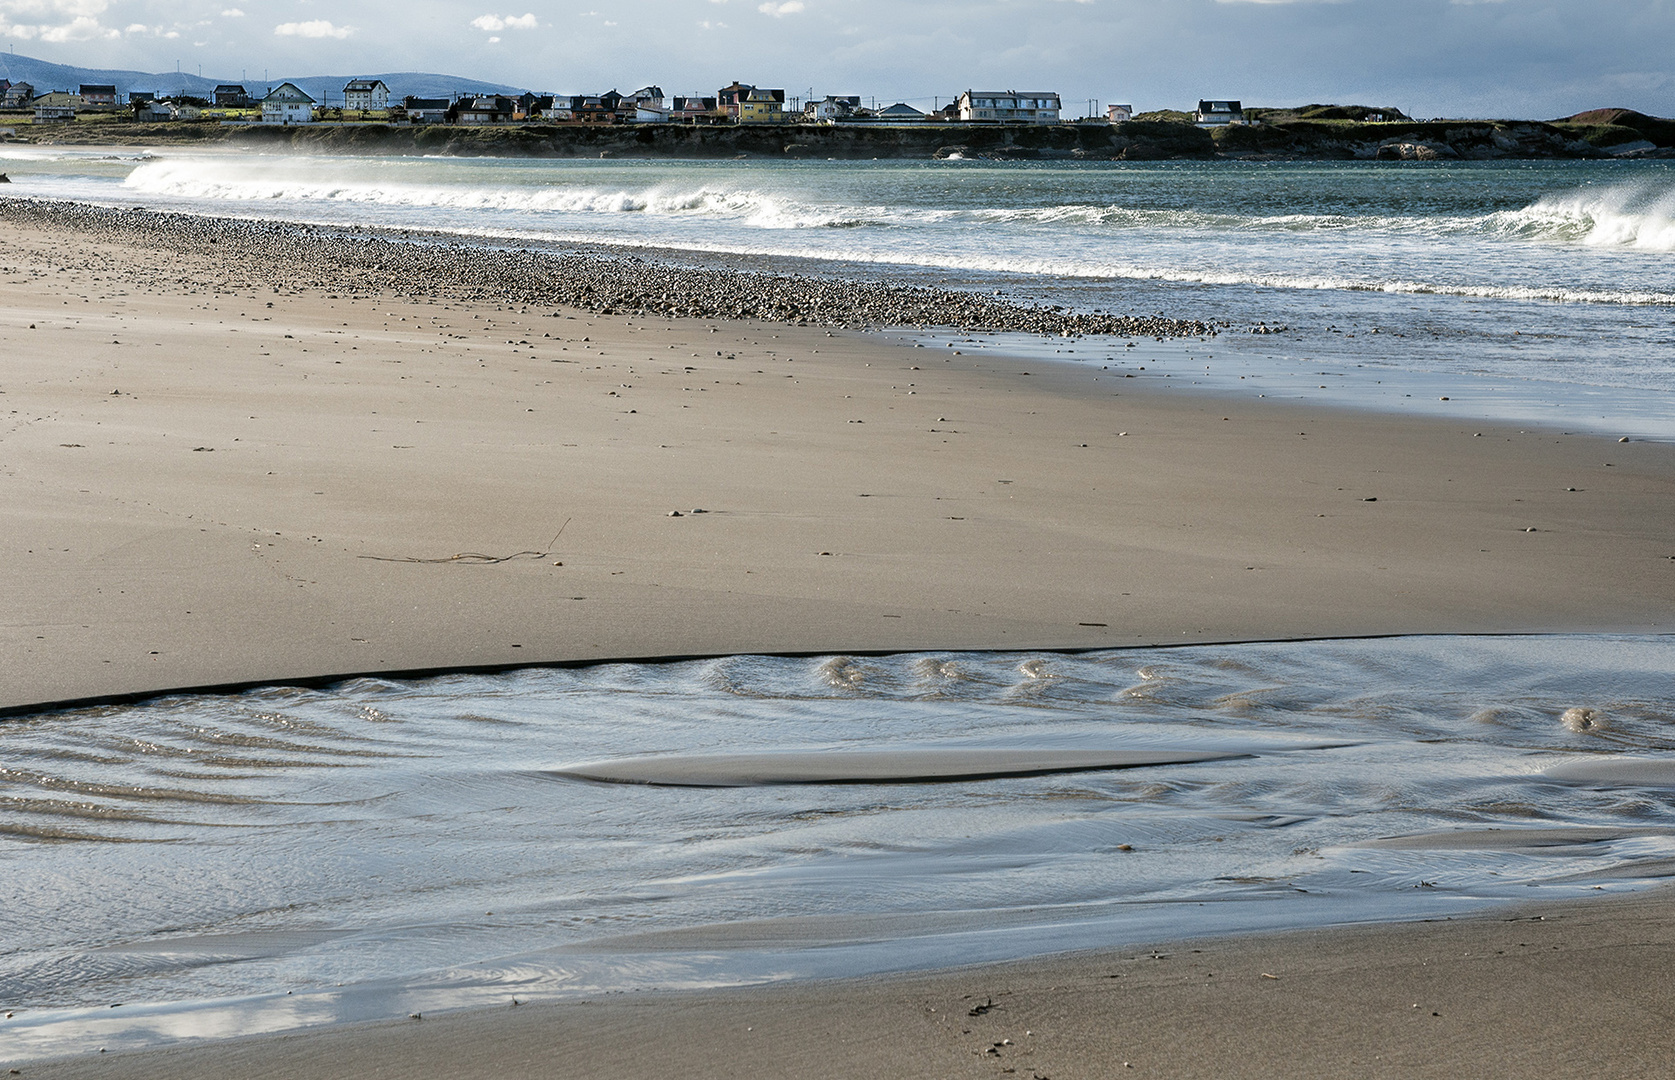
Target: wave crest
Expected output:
[241,182]
[1638,216]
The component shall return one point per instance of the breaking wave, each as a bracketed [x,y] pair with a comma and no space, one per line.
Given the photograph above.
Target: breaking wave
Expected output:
[232,182]
[1635,216]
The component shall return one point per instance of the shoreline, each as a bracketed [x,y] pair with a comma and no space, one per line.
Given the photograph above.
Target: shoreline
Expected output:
[207,490]
[602,279]
[1476,995]
[327,679]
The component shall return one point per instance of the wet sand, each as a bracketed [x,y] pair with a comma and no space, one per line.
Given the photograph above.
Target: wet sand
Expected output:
[202,490]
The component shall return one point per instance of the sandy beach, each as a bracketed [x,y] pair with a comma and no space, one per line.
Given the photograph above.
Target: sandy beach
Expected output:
[205,490]
[221,472]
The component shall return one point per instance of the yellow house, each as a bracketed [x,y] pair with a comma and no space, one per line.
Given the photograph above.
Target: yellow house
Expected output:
[762,107]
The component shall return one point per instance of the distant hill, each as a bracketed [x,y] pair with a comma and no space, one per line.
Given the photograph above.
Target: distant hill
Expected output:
[44,76]
[1361,114]
[1651,128]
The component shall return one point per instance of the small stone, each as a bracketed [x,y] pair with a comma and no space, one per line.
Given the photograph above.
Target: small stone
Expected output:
[676,513]
[414,1016]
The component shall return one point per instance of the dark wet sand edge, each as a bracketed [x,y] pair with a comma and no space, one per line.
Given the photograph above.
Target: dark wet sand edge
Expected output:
[328,679]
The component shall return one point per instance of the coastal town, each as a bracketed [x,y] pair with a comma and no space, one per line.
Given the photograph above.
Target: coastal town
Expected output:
[365,114]
[370,100]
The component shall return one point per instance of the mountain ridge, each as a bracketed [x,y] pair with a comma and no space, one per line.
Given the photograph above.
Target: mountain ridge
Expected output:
[44,75]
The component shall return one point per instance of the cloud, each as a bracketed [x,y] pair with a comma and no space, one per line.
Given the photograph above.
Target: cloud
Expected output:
[55,20]
[81,28]
[495,23]
[707,25]
[316,28]
[47,9]
[232,13]
[494,41]
[779,11]
[142,30]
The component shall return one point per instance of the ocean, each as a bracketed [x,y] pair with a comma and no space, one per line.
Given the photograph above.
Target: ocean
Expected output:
[285,857]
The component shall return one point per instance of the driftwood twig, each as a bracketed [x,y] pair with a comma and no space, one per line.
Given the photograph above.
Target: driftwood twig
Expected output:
[476,556]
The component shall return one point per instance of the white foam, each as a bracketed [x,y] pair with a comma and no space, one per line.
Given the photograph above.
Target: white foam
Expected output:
[1638,216]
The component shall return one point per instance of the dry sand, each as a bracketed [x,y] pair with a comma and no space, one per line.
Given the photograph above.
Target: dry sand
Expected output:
[202,490]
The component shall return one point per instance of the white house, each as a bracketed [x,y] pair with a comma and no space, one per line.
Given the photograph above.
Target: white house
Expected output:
[832,107]
[54,114]
[1119,114]
[1218,113]
[287,105]
[366,94]
[1009,106]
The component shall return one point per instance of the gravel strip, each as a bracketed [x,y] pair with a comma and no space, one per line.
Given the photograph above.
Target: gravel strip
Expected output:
[353,260]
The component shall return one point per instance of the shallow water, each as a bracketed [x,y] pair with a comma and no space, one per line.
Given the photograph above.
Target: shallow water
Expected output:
[222,865]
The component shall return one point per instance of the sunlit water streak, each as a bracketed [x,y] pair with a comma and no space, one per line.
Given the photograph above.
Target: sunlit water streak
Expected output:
[381,847]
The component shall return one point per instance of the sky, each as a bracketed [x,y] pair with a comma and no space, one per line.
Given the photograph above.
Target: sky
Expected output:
[1456,58]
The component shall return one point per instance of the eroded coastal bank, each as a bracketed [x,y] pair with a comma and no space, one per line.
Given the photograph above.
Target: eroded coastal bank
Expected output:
[1602,133]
